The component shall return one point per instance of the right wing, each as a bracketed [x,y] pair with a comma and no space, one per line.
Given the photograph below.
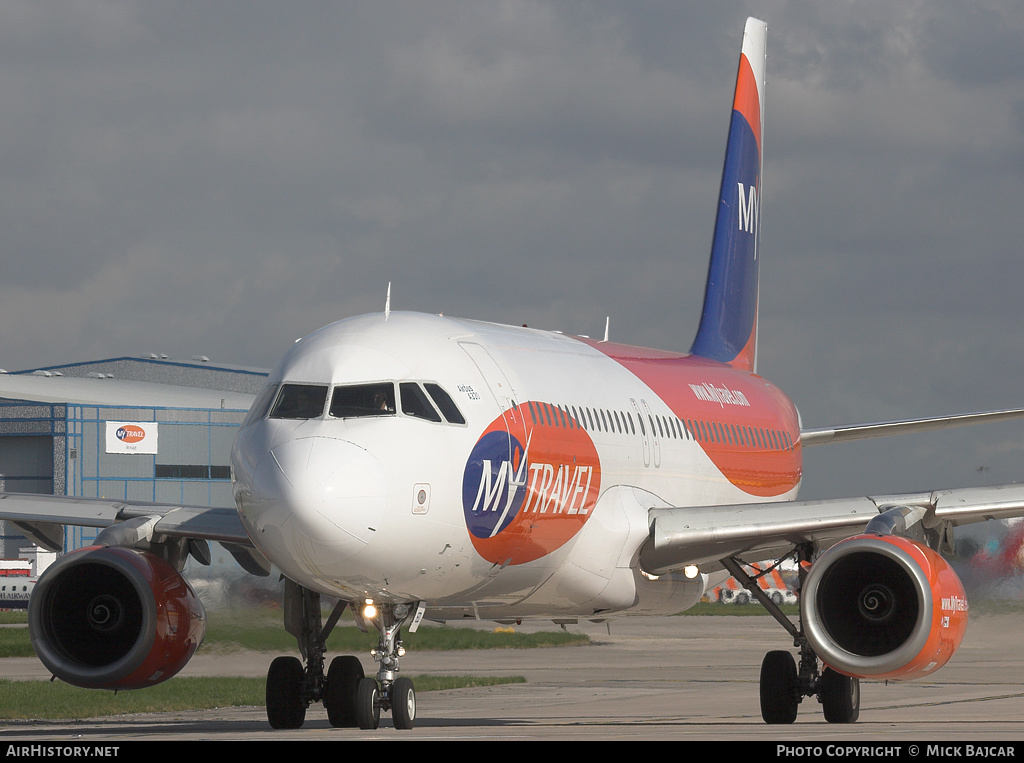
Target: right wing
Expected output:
[42,518]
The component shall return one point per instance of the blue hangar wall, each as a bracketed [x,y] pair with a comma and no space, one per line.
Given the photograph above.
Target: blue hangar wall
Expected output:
[159,453]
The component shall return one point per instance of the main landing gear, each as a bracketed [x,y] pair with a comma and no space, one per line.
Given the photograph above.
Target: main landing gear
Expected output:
[349,696]
[784,683]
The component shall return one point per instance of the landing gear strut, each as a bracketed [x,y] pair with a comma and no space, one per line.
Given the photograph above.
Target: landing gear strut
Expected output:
[350,697]
[387,692]
[784,684]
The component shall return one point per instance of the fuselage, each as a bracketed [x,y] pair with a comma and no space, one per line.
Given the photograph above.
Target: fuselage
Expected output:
[496,470]
[15,591]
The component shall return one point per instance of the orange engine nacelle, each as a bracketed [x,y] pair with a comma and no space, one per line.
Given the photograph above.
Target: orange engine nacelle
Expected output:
[883,607]
[114,618]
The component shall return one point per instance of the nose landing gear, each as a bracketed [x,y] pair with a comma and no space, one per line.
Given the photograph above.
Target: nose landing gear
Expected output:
[387,692]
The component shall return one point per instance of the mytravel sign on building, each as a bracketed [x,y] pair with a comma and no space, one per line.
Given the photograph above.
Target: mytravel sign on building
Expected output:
[132,437]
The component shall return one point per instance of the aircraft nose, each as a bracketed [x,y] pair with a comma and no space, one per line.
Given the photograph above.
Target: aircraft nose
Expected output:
[314,500]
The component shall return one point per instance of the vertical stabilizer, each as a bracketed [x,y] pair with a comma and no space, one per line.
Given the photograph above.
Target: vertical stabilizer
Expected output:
[728,325]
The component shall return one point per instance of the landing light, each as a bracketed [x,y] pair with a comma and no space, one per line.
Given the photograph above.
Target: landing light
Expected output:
[369,611]
[691,571]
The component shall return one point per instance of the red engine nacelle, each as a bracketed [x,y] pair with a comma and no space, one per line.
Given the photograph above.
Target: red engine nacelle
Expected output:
[114,618]
[883,607]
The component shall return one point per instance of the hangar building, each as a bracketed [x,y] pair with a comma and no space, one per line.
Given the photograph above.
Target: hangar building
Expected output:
[144,428]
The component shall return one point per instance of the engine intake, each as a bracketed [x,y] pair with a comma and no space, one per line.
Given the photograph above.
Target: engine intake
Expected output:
[114,618]
[884,607]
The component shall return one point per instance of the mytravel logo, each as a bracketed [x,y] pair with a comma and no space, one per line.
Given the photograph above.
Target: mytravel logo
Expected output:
[526,494]
[133,437]
[130,433]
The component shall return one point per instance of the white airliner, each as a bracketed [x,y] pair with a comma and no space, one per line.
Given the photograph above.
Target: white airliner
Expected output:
[418,466]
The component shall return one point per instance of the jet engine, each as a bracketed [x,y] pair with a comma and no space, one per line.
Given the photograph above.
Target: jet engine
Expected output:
[883,607]
[114,618]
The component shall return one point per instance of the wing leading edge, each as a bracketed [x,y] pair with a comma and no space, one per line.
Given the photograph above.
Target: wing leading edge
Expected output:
[42,519]
[753,532]
[823,435]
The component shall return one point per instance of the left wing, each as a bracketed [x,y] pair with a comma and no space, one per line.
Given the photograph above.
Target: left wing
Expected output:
[878,603]
[849,432]
[752,532]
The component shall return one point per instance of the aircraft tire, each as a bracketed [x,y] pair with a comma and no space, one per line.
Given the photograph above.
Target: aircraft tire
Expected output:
[341,691]
[368,704]
[403,703]
[285,707]
[779,695]
[840,697]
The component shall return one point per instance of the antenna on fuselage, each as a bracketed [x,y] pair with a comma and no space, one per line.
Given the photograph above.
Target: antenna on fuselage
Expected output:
[387,303]
[607,323]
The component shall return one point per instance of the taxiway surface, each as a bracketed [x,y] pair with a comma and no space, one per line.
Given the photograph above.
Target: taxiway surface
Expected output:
[659,678]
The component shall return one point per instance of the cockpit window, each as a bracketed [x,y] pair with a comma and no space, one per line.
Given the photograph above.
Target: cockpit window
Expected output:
[261,404]
[415,402]
[444,401]
[300,401]
[356,400]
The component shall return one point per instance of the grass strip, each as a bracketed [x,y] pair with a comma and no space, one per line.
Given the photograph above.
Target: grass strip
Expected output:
[234,633]
[231,633]
[44,700]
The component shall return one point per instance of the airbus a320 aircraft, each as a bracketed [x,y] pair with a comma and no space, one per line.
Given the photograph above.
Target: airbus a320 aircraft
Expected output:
[418,466]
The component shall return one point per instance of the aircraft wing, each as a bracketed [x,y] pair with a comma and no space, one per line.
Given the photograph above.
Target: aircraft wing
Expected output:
[753,532]
[885,428]
[42,518]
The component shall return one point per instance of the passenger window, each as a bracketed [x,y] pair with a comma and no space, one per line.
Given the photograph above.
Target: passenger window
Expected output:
[358,400]
[415,402]
[300,401]
[444,401]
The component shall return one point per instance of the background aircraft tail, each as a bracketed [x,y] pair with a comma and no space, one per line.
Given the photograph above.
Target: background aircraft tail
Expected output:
[728,324]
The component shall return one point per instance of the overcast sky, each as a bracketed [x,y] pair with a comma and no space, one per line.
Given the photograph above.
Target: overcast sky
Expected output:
[221,178]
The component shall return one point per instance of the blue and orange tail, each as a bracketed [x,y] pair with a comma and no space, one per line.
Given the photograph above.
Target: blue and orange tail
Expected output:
[728,325]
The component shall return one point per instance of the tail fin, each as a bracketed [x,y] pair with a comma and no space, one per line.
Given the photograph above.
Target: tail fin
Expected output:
[728,325]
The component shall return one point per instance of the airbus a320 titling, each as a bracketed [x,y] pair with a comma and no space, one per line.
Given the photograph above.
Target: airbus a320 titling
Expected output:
[424,467]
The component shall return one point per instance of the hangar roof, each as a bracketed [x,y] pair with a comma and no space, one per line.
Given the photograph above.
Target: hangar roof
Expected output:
[138,381]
